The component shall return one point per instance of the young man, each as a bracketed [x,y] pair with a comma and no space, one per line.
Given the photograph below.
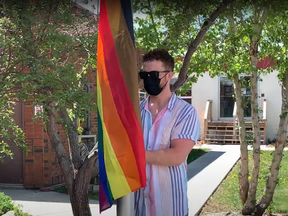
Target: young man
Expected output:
[170,128]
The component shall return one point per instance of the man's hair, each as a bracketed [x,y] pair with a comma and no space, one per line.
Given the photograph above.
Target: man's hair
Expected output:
[160,55]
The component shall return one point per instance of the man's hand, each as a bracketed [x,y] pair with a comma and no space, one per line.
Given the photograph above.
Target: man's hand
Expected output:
[174,156]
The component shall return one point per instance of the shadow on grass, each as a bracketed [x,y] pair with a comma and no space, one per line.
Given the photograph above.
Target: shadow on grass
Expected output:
[196,153]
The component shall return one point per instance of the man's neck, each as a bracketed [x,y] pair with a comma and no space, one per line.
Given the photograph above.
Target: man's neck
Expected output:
[161,100]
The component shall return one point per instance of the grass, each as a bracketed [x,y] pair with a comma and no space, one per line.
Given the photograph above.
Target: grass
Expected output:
[91,195]
[6,205]
[196,153]
[226,198]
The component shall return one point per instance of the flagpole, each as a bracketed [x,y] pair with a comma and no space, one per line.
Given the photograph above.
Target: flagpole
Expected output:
[125,205]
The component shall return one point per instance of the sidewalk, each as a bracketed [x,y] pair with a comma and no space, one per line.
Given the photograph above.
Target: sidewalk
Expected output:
[39,203]
[204,176]
[207,172]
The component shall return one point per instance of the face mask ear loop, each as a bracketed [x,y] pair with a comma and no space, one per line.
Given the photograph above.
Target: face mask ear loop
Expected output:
[165,83]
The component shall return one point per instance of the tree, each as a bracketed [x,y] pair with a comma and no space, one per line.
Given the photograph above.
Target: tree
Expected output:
[8,127]
[241,39]
[238,33]
[48,48]
[276,45]
[178,26]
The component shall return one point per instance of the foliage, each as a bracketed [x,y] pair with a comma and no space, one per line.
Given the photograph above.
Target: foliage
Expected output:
[226,198]
[7,205]
[46,50]
[173,25]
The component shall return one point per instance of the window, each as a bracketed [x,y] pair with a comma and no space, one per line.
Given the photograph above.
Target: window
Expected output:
[227,97]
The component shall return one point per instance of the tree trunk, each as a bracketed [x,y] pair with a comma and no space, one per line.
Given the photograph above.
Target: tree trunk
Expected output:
[79,200]
[79,191]
[244,171]
[251,200]
[260,16]
[279,148]
[78,182]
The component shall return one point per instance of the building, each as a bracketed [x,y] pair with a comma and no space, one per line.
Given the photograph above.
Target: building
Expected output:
[213,99]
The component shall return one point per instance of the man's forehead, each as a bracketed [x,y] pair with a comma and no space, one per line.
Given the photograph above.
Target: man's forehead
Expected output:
[153,64]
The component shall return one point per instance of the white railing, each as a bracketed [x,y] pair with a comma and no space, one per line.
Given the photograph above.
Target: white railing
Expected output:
[207,116]
[265,110]
[234,120]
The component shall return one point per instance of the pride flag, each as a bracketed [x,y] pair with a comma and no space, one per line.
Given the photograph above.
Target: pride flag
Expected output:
[120,138]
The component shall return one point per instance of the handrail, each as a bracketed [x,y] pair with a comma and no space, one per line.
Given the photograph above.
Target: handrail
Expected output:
[234,119]
[208,113]
[207,116]
[235,110]
[265,110]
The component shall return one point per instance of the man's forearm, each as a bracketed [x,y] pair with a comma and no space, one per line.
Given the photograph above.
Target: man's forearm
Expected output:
[164,157]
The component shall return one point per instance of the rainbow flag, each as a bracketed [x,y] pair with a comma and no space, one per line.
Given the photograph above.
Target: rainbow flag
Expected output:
[120,138]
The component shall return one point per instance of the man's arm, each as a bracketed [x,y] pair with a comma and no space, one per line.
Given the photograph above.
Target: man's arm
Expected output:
[174,156]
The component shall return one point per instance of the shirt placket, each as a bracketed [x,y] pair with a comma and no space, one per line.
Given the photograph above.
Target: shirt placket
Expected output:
[148,166]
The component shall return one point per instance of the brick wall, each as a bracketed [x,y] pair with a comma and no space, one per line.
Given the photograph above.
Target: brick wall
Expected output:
[40,164]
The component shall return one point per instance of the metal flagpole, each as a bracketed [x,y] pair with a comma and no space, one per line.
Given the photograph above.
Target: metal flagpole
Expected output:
[125,205]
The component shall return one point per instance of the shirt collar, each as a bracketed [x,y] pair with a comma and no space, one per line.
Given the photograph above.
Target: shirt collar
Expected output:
[171,103]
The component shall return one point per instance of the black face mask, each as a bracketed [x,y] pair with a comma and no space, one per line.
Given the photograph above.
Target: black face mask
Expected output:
[152,85]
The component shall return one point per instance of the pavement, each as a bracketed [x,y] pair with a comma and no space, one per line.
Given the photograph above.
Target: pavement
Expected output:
[207,172]
[204,176]
[51,203]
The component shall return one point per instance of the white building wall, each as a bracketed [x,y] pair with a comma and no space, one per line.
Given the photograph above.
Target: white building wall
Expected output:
[206,88]
[271,89]
[209,88]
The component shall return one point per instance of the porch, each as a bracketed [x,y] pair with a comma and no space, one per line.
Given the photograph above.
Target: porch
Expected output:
[226,132]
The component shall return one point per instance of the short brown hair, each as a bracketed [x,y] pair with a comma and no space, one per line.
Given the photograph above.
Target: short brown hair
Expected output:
[160,55]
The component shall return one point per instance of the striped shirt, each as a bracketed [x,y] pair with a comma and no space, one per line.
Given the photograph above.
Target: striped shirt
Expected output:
[166,191]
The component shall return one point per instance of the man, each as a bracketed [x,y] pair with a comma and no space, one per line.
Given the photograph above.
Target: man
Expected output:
[170,129]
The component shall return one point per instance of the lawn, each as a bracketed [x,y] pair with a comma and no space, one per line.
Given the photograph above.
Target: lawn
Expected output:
[196,153]
[226,198]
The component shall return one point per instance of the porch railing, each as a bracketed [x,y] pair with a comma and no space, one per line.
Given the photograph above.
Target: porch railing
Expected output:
[207,116]
[235,119]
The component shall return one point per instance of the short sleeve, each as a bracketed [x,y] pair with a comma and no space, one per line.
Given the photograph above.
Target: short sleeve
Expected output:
[187,127]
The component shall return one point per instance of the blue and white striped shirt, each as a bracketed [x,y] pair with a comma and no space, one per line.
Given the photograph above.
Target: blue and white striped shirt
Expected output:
[166,191]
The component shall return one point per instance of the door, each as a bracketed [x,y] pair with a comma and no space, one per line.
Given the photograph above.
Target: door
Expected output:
[227,98]
[11,171]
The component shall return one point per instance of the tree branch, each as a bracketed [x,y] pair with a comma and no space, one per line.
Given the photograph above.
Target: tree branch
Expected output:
[182,77]
[230,17]
[71,131]
[153,22]
[63,159]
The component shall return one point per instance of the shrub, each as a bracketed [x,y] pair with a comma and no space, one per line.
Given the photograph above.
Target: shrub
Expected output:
[6,205]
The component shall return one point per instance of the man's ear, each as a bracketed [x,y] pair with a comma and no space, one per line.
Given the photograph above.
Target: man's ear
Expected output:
[170,75]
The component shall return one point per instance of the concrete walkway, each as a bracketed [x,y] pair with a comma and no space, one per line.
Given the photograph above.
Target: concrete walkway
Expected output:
[207,172]
[204,176]
[39,203]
